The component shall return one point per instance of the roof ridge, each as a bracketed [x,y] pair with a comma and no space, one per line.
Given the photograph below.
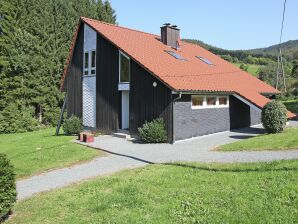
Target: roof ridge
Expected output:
[122,27]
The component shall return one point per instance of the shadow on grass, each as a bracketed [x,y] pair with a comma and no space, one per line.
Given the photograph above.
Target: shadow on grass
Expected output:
[5,217]
[263,167]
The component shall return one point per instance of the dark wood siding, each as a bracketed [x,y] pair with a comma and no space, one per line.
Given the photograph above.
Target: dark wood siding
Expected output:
[107,94]
[147,102]
[74,77]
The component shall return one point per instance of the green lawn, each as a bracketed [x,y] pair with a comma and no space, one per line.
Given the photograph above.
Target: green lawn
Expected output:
[282,141]
[177,193]
[33,152]
[292,105]
[252,69]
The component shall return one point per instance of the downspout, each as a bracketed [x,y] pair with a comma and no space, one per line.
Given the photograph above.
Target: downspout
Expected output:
[174,100]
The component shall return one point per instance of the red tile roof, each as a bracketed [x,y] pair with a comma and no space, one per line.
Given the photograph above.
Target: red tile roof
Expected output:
[190,75]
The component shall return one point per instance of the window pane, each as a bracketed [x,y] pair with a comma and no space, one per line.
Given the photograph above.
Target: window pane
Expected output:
[197,101]
[211,101]
[86,60]
[223,100]
[124,69]
[93,61]
[86,72]
[93,72]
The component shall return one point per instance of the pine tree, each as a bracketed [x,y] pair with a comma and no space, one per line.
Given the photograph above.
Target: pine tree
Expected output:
[35,36]
[105,12]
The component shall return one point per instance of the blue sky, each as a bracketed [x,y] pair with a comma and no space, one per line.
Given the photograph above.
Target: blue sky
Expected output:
[230,24]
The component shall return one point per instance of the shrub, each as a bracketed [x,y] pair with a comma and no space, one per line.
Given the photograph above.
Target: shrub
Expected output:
[244,67]
[72,125]
[274,116]
[16,118]
[51,116]
[153,132]
[7,186]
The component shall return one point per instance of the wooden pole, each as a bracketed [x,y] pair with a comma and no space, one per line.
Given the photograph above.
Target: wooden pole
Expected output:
[61,115]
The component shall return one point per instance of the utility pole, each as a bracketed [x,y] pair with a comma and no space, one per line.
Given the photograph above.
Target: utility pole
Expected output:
[280,71]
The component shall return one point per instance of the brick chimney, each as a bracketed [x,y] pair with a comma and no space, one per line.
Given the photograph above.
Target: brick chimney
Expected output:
[170,35]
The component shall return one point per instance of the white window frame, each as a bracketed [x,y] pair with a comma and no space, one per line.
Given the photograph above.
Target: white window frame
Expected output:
[89,69]
[121,53]
[205,106]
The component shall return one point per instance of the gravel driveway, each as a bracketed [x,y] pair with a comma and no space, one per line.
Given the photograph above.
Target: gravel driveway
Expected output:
[124,154]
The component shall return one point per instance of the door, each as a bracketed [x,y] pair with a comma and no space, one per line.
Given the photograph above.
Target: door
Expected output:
[125,110]
[89,101]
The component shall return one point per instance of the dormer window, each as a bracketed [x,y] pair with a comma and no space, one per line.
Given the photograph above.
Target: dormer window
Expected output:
[90,63]
[124,69]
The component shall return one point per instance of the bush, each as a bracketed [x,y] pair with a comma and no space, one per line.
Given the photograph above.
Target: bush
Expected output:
[7,186]
[72,125]
[153,132]
[16,118]
[244,67]
[274,116]
[51,116]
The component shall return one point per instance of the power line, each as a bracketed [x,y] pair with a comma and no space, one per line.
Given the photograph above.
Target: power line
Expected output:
[282,23]
[280,66]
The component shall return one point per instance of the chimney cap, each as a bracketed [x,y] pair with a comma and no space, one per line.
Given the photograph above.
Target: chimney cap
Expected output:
[167,24]
[174,26]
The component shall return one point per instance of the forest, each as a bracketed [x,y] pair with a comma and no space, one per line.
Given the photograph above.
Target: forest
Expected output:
[35,36]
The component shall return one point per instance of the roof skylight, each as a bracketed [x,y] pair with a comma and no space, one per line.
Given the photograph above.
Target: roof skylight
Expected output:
[205,60]
[175,55]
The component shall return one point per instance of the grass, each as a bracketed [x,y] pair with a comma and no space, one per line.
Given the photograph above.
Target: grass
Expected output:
[281,141]
[34,152]
[252,69]
[292,105]
[176,193]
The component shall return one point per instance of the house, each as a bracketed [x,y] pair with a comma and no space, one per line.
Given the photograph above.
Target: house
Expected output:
[118,78]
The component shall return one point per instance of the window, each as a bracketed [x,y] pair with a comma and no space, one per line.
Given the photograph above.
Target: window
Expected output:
[201,102]
[175,55]
[124,68]
[205,60]
[197,101]
[86,63]
[90,63]
[211,101]
[223,100]
[93,62]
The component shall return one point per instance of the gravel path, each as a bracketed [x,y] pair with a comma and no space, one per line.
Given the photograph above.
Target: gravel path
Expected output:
[67,176]
[124,154]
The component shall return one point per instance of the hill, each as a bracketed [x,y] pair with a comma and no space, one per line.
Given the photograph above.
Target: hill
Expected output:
[290,48]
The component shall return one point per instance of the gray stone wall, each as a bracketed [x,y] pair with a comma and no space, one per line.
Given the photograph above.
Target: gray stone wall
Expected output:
[255,116]
[190,122]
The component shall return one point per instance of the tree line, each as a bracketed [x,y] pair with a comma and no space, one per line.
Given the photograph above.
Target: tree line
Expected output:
[35,36]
